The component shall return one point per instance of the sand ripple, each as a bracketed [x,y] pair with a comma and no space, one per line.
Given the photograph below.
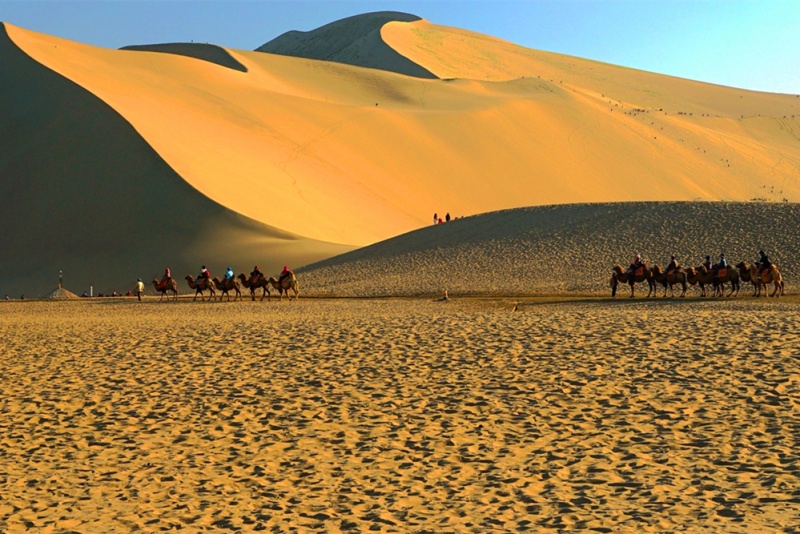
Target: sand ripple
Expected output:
[400,415]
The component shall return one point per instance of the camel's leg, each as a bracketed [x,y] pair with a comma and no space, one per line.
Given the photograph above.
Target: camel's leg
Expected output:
[613,286]
[632,285]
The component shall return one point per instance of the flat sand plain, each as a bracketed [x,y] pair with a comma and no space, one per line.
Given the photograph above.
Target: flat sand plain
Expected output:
[400,416]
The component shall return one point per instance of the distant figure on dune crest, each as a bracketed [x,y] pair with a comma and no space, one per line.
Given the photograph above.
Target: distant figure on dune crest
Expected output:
[435,218]
[139,289]
[447,217]
[441,221]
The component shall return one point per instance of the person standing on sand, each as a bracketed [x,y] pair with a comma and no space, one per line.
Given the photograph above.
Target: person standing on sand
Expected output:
[447,217]
[139,289]
[435,218]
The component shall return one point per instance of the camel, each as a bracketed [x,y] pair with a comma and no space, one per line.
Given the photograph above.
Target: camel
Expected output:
[254,283]
[620,276]
[770,275]
[290,282]
[703,277]
[199,287]
[678,276]
[744,276]
[699,276]
[728,275]
[226,285]
[170,285]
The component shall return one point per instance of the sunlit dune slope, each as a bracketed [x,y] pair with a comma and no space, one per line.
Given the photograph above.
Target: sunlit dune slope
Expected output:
[353,155]
[561,249]
[84,194]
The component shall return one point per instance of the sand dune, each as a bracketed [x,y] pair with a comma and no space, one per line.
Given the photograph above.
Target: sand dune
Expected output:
[410,415]
[294,153]
[567,249]
[355,41]
[84,194]
[212,53]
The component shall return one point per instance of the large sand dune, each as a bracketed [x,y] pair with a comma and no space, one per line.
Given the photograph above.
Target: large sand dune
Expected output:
[560,249]
[279,155]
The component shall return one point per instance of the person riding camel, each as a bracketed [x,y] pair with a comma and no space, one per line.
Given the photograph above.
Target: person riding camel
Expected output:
[763,262]
[673,265]
[723,264]
[707,264]
[229,274]
[204,273]
[637,264]
[165,278]
[285,273]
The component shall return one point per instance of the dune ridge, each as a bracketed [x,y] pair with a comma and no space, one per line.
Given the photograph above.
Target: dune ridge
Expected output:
[354,41]
[206,52]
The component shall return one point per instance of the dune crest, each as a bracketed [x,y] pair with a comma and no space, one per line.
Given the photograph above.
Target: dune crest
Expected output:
[354,41]
[206,52]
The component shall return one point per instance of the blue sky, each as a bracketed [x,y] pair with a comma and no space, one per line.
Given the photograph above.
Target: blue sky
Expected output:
[754,44]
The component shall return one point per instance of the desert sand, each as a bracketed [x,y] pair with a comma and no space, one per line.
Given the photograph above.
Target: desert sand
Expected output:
[122,162]
[400,415]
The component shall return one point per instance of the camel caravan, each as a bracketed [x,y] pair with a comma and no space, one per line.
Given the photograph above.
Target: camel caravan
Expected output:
[286,282]
[713,276]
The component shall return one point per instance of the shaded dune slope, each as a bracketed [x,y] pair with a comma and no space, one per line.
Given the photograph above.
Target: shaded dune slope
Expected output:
[87,195]
[205,52]
[354,41]
[559,249]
